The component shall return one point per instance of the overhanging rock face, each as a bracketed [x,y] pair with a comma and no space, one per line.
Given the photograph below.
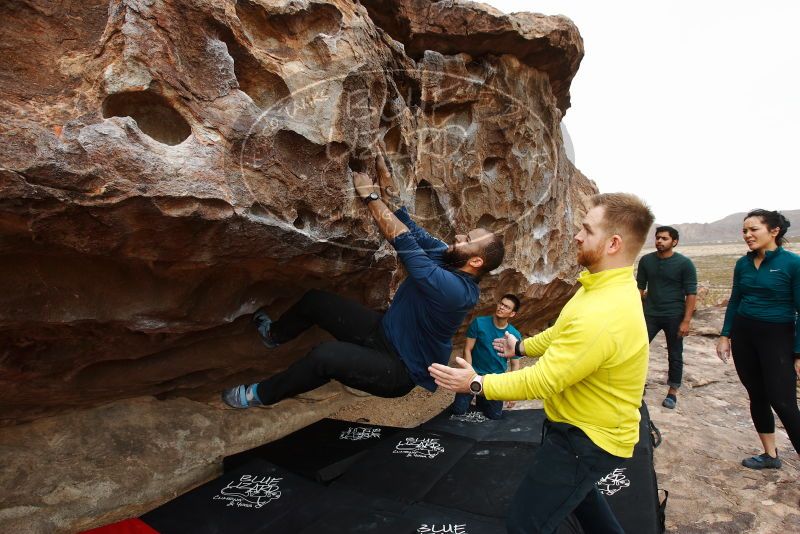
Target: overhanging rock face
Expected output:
[168,167]
[550,44]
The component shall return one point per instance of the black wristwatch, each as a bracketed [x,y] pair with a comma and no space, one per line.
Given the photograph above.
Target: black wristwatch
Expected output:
[372,196]
[476,385]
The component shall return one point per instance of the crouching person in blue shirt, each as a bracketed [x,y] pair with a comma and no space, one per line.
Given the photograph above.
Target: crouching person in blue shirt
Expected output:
[385,354]
[480,353]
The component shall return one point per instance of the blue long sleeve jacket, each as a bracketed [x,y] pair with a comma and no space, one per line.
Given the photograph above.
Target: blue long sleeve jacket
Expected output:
[430,304]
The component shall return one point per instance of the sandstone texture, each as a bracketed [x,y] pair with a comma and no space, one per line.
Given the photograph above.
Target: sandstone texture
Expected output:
[169,166]
[88,468]
[550,44]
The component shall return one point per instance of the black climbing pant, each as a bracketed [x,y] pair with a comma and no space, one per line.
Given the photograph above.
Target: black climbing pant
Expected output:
[764,357]
[360,357]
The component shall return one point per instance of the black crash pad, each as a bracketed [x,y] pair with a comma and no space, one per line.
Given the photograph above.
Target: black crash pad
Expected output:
[473,424]
[432,519]
[404,481]
[519,426]
[648,434]
[632,492]
[321,451]
[514,425]
[485,479]
[407,466]
[249,499]
[349,520]
[338,510]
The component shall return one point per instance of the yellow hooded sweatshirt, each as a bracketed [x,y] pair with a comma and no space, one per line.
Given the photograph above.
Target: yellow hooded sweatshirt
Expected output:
[593,363]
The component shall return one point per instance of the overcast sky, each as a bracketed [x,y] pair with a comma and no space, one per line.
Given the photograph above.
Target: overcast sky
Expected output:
[692,105]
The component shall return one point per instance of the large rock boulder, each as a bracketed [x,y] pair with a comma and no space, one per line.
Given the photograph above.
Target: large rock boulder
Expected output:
[550,44]
[169,166]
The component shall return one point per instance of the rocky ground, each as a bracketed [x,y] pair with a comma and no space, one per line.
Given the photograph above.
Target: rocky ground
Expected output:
[704,439]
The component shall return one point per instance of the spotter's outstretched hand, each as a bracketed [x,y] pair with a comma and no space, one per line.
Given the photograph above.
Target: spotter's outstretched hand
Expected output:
[455,379]
[505,346]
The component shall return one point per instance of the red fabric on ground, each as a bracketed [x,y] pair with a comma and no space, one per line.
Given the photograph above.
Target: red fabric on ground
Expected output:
[129,526]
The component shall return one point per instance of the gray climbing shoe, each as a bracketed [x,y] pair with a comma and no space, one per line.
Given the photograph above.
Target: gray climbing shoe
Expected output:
[263,324]
[762,461]
[241,396]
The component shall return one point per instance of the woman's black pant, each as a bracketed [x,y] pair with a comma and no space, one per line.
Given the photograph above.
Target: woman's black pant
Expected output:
[361,357]
[764,357]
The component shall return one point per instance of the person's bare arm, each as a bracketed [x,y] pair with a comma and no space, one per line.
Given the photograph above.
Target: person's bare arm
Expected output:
[389,225]
[389,192]
[468,346]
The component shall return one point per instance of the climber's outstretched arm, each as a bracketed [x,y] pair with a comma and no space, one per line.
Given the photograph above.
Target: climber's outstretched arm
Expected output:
[389,225]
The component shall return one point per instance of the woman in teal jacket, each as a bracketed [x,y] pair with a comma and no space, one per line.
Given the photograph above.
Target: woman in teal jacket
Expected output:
[761,331]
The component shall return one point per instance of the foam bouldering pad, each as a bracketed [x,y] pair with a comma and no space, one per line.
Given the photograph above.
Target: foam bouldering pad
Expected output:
[518,425]
[571,526]
[395,480]
[472,425]
[348,520]
[321,451]
[342,510]
[436,519]
[632,492]
[432,519]
[648,433]
[485,479]
[249,499]
[407,466]
[514,425]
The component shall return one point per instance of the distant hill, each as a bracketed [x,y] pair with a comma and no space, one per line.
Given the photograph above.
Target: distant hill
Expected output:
[726,230]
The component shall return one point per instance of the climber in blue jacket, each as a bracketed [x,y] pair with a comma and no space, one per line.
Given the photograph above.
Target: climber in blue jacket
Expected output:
[384,354]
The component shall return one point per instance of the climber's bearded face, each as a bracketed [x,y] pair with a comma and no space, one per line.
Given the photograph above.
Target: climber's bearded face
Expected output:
[466,246]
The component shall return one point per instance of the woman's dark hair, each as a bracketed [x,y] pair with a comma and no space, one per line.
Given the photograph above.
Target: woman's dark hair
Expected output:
[773,219]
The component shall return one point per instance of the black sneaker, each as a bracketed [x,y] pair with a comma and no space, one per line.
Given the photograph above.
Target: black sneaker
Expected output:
[762,461]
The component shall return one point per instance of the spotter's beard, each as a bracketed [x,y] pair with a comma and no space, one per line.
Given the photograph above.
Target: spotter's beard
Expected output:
[587,257]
